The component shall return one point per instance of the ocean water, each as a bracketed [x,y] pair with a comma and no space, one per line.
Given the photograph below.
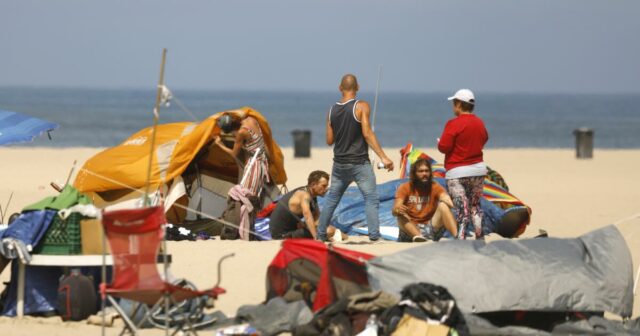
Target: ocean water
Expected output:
[102,118]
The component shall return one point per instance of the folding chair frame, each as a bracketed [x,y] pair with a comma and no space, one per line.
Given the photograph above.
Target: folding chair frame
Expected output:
[186,325]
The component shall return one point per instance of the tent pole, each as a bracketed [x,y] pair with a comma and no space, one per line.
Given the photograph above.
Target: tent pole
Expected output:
[375,99]
[103,276]
[73,167]
[6,208]
[156,117]
[375,107]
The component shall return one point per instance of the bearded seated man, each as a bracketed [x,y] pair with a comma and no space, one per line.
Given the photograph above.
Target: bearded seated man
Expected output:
[423,207]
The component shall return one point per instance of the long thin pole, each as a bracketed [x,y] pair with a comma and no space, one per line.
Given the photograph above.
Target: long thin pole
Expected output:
[156,117]
[6,207]
[375,106]
[71,172]
[375,100]
[103,277]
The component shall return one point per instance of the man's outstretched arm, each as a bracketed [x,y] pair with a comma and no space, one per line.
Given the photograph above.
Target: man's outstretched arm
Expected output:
[369,136]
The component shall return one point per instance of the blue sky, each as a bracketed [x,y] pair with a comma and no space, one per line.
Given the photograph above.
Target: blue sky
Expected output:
[577,46]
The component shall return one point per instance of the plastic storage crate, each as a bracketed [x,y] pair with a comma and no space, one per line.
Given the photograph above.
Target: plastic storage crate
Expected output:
[62,237]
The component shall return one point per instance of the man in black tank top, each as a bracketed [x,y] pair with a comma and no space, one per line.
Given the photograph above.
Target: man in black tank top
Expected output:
[286,219]
[350,133]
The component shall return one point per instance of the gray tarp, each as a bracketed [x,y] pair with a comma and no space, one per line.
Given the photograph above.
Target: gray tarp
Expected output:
[590,273]
[594,325]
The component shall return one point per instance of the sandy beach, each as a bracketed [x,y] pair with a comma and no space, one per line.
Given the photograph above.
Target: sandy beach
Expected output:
[568,196]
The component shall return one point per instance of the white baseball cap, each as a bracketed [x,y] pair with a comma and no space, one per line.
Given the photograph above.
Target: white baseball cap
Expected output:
[464,95]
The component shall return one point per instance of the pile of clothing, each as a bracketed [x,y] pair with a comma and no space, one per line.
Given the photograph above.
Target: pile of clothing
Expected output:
[424,309]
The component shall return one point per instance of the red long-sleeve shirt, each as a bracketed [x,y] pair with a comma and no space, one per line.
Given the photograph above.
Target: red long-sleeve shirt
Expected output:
[462,141]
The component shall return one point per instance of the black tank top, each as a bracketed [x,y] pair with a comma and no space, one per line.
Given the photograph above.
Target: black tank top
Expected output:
[349,146]
[283,220]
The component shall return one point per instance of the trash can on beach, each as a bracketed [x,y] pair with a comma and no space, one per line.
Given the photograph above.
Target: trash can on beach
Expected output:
[301,143]
[584,143]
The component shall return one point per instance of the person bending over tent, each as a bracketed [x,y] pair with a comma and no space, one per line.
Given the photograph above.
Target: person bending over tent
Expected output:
[248,137]
[286,220]
[422,206]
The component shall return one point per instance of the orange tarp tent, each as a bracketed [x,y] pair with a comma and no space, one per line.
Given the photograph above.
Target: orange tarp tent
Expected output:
[177,144]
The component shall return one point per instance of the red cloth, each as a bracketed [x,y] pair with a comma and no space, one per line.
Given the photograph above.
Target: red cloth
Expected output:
[266,212]
[134,237]
[462,141]
[335,272]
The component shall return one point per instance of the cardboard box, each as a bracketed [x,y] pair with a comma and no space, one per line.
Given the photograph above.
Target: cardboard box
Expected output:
[91,234]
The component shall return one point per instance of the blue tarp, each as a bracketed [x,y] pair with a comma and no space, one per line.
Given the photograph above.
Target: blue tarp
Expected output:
[40,290]
[40,283]
[30,227]
[16,127]
[350,212]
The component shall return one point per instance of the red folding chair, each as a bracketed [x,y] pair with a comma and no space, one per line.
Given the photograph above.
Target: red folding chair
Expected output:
[134,237]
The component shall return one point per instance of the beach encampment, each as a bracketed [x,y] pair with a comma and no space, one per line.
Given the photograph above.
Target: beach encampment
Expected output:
[185,167]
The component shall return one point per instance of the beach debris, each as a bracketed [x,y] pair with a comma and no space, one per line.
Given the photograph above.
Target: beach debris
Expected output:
[238,330]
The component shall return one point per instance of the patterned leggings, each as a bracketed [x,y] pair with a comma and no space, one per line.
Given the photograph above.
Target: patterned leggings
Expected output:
[465,193]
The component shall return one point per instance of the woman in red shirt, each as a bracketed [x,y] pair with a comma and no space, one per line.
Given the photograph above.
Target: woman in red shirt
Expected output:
[461,143]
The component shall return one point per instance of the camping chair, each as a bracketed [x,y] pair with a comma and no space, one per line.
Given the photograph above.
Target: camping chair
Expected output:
[134,236]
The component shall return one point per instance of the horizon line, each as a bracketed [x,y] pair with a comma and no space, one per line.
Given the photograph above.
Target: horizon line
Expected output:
[282,91]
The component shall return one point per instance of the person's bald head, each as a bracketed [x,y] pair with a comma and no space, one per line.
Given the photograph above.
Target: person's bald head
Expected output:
[349,82]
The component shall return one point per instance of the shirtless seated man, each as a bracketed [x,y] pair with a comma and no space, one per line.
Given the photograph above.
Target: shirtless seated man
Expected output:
[296,213]
[423,207]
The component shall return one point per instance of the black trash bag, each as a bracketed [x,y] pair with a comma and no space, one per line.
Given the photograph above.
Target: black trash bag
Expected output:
[77,297]
[429,301]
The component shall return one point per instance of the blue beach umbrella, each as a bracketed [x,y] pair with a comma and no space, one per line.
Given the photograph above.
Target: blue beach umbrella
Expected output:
[16,127]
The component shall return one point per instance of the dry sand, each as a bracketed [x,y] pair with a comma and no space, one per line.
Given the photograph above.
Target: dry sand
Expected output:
[568,196]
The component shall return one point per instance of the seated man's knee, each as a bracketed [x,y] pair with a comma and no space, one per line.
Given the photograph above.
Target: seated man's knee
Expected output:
[406,225]
[443,207]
